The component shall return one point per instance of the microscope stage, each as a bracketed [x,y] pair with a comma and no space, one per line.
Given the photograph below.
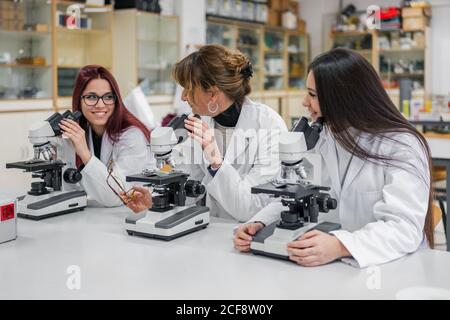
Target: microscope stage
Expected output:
[288,190]
[35,165]
[157,179]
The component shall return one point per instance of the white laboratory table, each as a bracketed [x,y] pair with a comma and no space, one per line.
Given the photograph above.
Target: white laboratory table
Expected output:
[202,265]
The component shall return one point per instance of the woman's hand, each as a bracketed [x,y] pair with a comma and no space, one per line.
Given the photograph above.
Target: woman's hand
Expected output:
[139,199]
[200,131]
[315,248]
[244,233]
[76,134]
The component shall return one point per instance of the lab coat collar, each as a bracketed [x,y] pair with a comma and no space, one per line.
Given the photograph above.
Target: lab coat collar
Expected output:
[107,147]
[326,147]
[357,163]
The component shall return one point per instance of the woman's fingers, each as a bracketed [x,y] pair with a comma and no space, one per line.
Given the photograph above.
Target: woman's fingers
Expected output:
[71,123]
[242,248]
[301,252]
[196,138]
[301,244]
[305,261]
[243,235]
[241,242]
[141,189]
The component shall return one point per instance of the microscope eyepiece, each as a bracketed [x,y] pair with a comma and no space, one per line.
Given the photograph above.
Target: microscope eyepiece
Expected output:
[177,124]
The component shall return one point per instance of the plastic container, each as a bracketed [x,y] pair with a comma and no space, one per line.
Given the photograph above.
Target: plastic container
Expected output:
[8,220]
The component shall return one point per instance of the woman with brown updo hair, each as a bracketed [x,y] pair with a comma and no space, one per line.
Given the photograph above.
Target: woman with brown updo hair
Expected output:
[234,145]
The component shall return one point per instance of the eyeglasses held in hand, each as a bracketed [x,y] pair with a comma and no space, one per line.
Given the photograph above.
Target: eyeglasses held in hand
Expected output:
[91,100]
[111,180]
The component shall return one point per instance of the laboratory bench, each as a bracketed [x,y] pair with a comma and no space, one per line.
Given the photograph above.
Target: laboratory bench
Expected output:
[91,248]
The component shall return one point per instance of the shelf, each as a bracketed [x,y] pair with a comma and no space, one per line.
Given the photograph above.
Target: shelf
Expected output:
[67,66]
[251,46]
[152,68]
[158,41]
[25,34]
[268,51]
[274,75]
[401,50]
[350,33]
[82,5]
[395,75]
[82,31]
[25,104]
[30,66]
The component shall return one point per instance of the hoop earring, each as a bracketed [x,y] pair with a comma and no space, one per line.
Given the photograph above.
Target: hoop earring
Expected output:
[212,109]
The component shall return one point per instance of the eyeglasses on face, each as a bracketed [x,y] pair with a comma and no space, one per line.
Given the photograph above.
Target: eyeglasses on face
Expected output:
[92,99]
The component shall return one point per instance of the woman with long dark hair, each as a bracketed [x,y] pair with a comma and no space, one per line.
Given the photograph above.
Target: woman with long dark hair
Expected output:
[376,162]
[108,136]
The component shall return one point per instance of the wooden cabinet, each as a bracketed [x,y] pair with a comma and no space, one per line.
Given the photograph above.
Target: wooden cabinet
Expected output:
[152,43]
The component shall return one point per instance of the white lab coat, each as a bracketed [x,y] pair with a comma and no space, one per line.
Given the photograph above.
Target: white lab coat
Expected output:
[250,159]
[130,154]
[381,209]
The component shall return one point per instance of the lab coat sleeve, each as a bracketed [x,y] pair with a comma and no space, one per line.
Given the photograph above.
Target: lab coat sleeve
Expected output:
[234,193]
[269,213]
[130,155]
[400,214]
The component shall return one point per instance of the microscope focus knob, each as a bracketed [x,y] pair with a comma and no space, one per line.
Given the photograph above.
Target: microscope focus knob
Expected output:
[326,203]
[72,175]
[194,188]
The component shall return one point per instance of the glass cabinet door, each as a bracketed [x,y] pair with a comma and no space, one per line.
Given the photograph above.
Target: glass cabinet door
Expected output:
[274,63]
[297,60]
[220,34]
[25,50]
[157,52]
[248,42]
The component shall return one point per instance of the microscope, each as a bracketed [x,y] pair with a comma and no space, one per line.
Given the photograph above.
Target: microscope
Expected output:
[169,217]
[298,186]
[54,164]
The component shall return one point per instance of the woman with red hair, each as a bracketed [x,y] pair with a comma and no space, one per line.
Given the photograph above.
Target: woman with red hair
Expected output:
[107,136]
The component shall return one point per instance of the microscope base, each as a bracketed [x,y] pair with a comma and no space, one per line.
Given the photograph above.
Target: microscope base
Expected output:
[272,241]
[168,225]
[50,205]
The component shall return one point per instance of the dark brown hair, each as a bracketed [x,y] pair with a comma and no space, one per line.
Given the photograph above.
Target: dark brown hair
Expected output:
[215,65]
[351,95]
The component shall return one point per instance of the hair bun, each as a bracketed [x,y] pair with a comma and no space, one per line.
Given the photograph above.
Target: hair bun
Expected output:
[247,71]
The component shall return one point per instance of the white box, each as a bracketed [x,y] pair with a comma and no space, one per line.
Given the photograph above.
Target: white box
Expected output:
[8,220]
[96,2]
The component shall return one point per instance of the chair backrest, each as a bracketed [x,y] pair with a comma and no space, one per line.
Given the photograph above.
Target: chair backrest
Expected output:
[437,215]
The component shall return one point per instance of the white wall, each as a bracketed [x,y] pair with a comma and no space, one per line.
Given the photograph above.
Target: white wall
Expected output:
[440,47]
[192,23]
[14,146]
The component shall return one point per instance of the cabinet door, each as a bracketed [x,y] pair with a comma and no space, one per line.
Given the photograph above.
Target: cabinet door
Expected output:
[158,48]
[221,34]
[248,42]
[297,61]
[274,60]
